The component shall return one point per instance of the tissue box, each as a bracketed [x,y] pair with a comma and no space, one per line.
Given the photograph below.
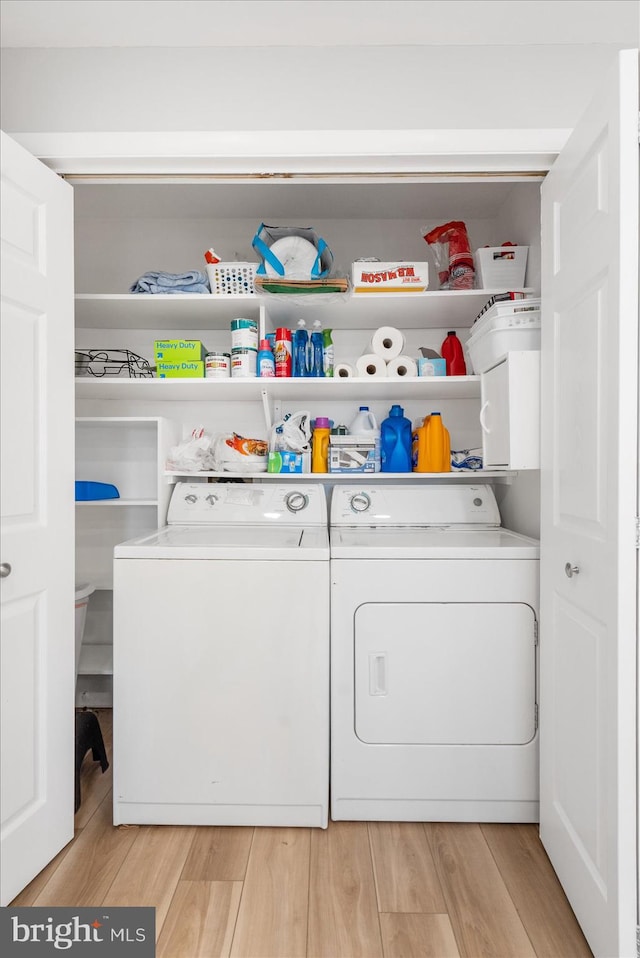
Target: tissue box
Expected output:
[186,370]
[179,350]
[390,277]
[432,367]
[354,454]
[289,462]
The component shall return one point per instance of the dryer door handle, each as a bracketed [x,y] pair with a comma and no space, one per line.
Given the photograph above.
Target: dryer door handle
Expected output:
[378,673]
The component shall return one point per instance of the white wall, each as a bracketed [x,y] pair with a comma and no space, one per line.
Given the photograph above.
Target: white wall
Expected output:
[408,87]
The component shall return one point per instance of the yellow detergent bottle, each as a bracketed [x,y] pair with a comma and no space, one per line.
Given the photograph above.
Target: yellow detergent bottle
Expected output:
[431,446]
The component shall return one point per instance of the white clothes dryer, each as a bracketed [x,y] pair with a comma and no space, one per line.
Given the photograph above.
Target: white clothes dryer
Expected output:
[221,660]
[433,657]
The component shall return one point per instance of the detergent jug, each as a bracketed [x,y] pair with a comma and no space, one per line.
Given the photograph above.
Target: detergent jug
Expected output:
[395,441]
[320,445]
[431,446]
[364,422]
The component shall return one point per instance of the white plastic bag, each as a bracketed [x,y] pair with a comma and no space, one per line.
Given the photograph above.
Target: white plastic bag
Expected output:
[194,454]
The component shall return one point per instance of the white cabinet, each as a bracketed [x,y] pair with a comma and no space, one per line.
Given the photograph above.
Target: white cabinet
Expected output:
[510,412]
[127,452]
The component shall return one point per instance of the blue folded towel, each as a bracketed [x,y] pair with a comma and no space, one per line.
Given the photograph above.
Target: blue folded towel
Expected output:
[158,282]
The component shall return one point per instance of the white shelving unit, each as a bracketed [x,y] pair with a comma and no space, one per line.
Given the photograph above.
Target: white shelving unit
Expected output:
[129,452]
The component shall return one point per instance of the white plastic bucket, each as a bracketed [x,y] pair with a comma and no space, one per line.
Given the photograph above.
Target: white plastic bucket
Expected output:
[83,591]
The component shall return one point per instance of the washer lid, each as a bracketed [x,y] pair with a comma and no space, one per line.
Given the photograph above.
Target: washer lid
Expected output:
[231,543]
[431,543]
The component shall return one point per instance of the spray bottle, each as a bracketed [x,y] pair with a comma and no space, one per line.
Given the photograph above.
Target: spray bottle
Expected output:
[327,350]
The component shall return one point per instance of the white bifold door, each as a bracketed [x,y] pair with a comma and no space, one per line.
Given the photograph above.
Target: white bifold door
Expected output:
[589,570]
[37,640]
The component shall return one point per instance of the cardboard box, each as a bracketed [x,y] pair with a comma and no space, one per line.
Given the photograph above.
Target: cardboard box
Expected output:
[390,277]
[181,370]
[354,454]
[432,367]
[179,350]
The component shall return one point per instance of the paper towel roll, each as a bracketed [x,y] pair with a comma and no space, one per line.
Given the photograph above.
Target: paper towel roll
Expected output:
[371,366]
[343,371]
[387,342]
[296,254]
[402,366]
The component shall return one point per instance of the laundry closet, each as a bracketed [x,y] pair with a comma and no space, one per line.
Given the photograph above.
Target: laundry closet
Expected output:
[137,210]
[126,426]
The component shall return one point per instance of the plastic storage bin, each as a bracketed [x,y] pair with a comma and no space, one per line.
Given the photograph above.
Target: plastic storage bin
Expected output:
[501,267]
[82,601]
[232,278]
[499,332]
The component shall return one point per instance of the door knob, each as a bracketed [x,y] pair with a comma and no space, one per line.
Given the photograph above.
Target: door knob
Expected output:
[571,570]
[5,570]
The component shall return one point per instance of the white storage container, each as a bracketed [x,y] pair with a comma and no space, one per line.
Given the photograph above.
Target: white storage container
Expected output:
[501,267]
[498,333]
[82,601]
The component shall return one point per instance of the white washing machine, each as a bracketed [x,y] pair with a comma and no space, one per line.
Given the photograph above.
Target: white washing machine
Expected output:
[221,660]
[433,657]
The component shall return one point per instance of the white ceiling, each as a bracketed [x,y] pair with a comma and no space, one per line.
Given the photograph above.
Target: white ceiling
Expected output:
[224,23]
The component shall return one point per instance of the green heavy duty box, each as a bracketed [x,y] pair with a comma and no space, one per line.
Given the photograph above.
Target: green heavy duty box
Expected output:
[179,350]
[178,370]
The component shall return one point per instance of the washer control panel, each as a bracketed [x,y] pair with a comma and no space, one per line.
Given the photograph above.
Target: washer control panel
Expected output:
[255,504]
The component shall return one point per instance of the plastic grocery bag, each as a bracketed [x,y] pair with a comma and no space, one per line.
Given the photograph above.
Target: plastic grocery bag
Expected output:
[234,453]
[194,454]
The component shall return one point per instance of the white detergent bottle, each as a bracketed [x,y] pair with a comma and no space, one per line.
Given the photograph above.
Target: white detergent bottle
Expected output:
[364,422]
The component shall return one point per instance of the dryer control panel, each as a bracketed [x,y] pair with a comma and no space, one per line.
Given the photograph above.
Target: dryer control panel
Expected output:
[433,505]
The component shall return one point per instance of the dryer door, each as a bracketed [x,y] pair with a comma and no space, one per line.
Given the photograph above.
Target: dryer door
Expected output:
[456,673]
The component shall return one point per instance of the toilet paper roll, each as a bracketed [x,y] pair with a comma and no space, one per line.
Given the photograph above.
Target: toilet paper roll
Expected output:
[402,366]
[371,366]
[343,371]
[387,342]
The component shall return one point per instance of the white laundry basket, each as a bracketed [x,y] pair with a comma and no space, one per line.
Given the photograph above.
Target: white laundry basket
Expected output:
[83,591]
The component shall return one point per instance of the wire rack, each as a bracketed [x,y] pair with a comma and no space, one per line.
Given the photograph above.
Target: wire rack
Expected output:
[101,363]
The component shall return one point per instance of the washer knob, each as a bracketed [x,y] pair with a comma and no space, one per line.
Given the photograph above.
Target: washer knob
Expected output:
[211,499]
[296,501]
[360,502]
[191,498]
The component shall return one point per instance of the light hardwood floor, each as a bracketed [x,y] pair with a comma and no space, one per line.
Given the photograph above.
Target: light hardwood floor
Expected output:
[354,890]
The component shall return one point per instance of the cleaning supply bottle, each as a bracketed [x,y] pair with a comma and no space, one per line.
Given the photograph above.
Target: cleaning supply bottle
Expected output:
[395,441]
[431,446]
[316,364]
[300,348]
[451,352]
[320,445]
[282,352]
[327,353]
[364,422]
[266,363]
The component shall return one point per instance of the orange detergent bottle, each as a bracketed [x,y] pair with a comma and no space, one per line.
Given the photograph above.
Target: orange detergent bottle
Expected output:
[431,446]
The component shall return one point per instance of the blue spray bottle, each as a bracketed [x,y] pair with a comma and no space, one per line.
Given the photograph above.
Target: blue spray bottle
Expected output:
[299,350]
[316,366]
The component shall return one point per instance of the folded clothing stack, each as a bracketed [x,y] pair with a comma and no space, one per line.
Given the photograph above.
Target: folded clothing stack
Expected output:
[193,281]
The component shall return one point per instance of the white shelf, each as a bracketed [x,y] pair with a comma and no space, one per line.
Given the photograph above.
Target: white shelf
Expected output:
[114,503]
[434,309]
[359,477]
[171,311]
[96,660]
[230,390]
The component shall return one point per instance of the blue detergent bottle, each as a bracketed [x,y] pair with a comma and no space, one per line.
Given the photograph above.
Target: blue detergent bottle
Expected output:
[316,365]
[395,442]
[299,350]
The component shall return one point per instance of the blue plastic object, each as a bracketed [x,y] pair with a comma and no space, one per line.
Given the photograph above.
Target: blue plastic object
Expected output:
[86,491]
[395,442]
[299,350]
